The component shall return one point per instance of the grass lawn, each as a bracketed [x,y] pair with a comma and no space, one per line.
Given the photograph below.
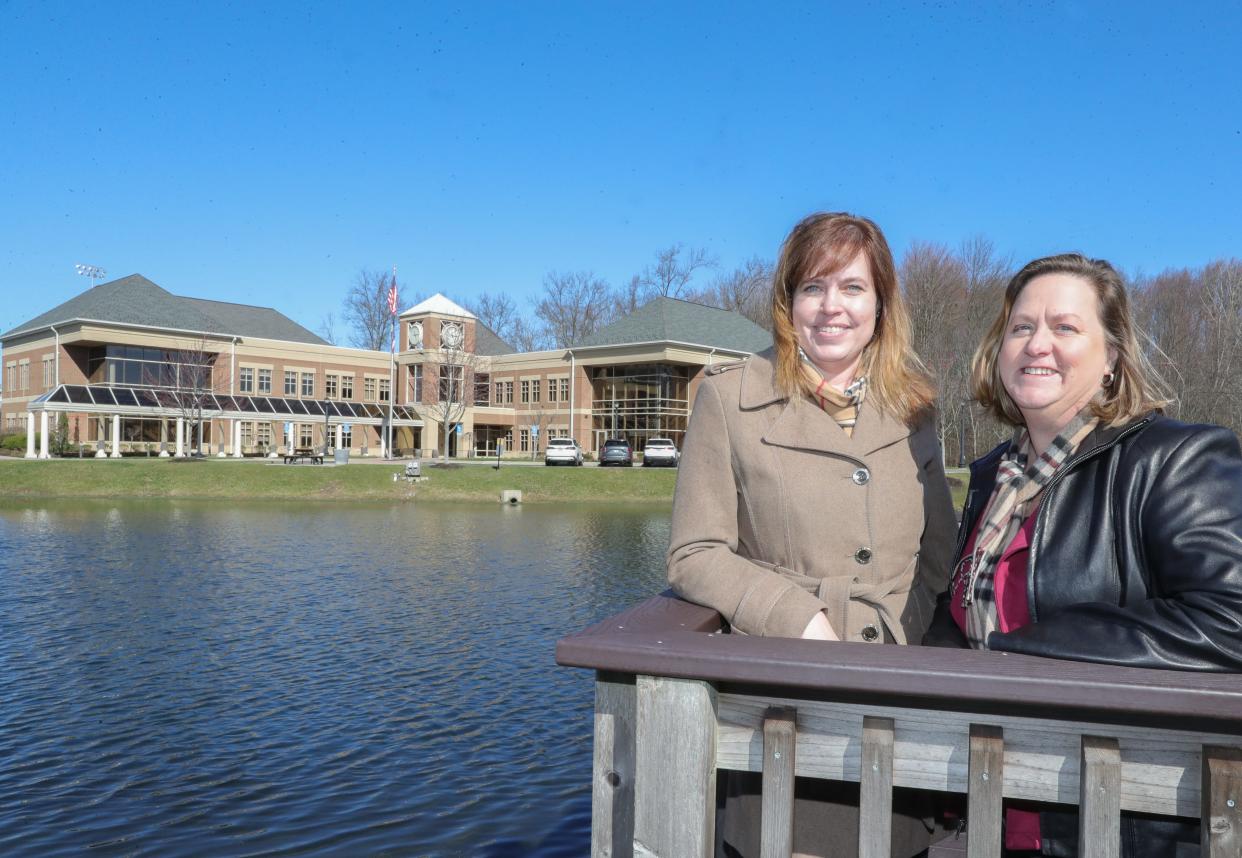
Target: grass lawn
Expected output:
[167,478]
[210,478]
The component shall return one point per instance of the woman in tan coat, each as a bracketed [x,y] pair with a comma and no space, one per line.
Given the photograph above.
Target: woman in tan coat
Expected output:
[811,500]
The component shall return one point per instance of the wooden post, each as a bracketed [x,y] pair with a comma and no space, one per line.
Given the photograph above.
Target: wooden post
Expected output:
[780,737]
[612,782]
[1221,828]
[875,804]
[675,783]
[985,790]
[1099,798]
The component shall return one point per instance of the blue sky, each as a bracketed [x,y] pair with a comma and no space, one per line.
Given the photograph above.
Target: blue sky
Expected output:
[264,153]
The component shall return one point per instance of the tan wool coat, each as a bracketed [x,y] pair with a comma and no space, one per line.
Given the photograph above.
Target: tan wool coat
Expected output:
[779,514]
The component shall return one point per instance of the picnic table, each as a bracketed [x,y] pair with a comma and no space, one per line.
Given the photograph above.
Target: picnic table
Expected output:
[302,453]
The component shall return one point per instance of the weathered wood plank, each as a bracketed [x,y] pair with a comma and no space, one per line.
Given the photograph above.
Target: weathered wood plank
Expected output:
[1221,832]
[664,639]
[612,785]
[983,799]
[875,801]
[1099,814]
[1159,769]
[675,784]
[780,735]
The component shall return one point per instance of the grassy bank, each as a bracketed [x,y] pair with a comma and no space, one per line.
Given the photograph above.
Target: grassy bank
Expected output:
[165,478]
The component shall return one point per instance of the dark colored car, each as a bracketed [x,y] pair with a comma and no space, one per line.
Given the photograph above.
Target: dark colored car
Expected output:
[617,451]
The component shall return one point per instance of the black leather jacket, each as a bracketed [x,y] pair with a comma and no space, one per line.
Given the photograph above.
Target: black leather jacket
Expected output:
[1136,555]
[1135,559]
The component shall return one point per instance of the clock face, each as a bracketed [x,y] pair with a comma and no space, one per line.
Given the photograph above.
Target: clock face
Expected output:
[451,335]
[416,335]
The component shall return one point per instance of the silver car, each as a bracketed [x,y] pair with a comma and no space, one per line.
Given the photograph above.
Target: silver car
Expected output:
[562,451]
[660,451]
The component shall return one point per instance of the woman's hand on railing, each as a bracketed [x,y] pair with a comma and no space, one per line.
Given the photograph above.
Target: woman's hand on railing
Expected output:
[819,629]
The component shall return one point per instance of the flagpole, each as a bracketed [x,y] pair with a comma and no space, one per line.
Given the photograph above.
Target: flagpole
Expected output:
[392,368]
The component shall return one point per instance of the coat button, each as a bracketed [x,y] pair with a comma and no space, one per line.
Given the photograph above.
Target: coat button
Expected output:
[863,556]
[861,477]
[870,633]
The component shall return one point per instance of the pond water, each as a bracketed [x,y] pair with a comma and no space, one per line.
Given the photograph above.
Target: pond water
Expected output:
[207,678]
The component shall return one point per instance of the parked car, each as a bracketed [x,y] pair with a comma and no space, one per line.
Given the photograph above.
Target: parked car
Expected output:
[616,451]
[660,451]
[562,451]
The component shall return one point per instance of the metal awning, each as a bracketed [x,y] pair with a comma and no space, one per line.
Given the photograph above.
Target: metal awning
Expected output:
[154,402]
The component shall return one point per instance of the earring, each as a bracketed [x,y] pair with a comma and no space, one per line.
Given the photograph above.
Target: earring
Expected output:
[1109,378]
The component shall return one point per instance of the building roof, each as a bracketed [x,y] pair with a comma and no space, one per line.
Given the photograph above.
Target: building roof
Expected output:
[135,300]
[674,320]
[440,305]
[488,342]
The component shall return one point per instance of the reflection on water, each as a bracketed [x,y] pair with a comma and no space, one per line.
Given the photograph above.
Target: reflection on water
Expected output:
[304,679]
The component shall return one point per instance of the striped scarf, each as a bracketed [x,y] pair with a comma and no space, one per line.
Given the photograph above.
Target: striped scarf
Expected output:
[841,406]
[1020,480]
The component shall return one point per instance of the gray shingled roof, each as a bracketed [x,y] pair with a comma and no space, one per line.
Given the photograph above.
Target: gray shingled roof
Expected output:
[671,319]
[135,300]
[488,342]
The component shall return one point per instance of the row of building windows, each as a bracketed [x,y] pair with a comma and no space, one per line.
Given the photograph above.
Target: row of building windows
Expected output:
[531,390]
[336,385]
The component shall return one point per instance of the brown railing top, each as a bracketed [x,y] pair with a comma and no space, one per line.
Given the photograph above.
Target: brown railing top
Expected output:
[665,636]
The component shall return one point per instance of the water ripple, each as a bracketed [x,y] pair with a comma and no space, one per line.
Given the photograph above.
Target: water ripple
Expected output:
[192,678]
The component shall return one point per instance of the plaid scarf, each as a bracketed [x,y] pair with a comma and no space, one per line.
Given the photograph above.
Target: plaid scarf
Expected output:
[841,406]
[1020,480]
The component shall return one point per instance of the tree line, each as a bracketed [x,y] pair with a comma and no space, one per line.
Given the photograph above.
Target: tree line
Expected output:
[1190,323]
[1191,320]
[570,306]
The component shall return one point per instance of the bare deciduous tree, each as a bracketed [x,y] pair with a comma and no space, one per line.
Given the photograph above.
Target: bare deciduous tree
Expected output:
[366,309]
[628,298]
[327,329]
[673,270]
[526,336]
[746,289]
[497,311]
[185,382]
[450,377]
[574,305]
[935,285]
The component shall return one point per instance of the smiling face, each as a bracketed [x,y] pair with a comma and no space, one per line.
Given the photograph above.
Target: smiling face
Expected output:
[1054,353]
[834,318]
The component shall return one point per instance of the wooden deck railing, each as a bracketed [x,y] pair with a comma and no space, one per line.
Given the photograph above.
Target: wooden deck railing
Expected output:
[675,701]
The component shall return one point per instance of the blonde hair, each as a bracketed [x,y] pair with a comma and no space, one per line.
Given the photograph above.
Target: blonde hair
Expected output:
[1136,388]
[824,243]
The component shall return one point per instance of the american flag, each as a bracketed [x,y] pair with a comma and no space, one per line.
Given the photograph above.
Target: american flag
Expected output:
[392,296]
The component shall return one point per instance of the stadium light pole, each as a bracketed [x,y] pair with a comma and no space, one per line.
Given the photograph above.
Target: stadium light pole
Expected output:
[92,271]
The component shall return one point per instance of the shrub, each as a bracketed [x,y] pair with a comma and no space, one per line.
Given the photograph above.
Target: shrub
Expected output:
[16,441]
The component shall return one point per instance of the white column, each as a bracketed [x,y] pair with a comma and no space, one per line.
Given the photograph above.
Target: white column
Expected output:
[43,454]
[219,433]
[100,452]
[340,435]
[273,453]
[116,436]
[163,438]
[237,450]
[30,433]
[180,454]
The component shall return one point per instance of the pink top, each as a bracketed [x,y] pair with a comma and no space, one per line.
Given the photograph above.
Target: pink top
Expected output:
[1012,612]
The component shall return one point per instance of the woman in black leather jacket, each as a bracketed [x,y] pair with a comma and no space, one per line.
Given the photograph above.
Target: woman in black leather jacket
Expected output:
[1102,531]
